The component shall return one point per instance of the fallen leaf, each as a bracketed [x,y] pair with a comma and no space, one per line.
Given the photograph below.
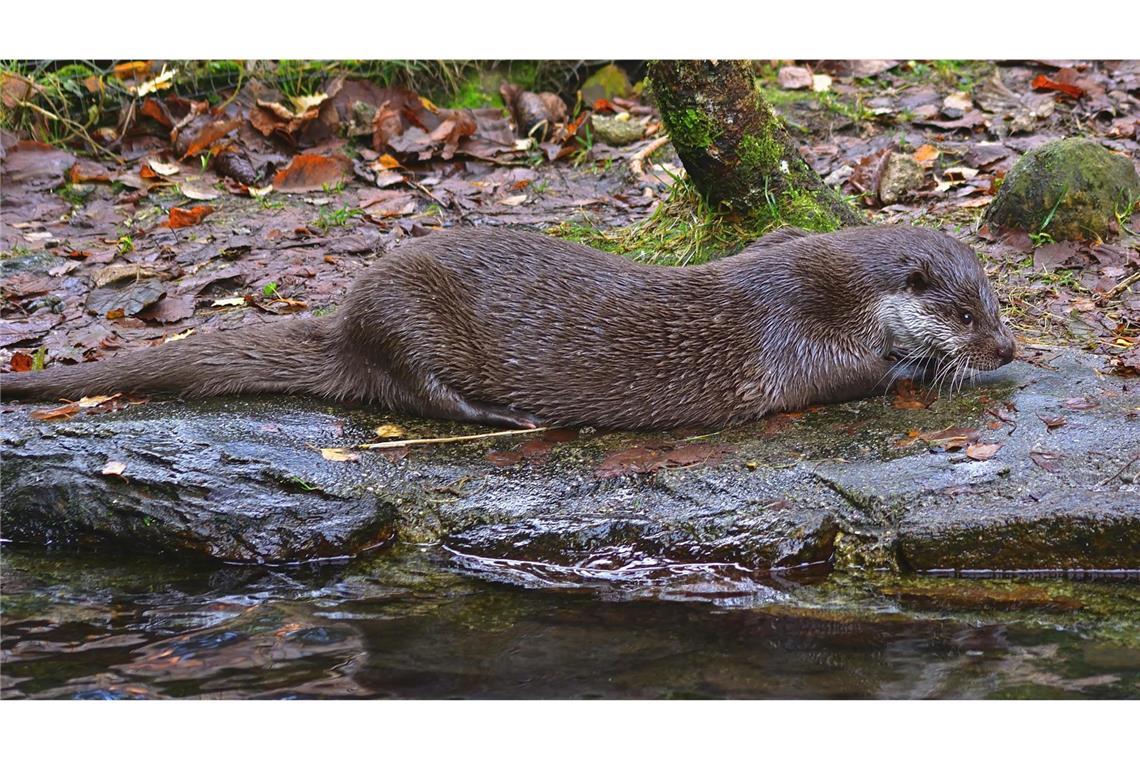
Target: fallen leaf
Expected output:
[60,412]
[117,302]
[390,430]
[982,451]
[951,438]
[169,309]
[1050,461]
[38,165]
[21,362]
[958,101]
[910,396]
[19,330]
[187,217]
[388,161]
[1080,404]
[1042,82]
[202,134]
[161,169]
[926,154]
[969,121]
[198,192]
[235,301]
[132,69]
[88,402]
[309,172]
[340,455]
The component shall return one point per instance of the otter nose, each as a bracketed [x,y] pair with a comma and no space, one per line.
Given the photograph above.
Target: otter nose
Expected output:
[1006,349]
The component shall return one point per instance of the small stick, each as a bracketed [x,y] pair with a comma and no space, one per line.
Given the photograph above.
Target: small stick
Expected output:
[447,439]
[1122,286]
[636,160]
[1117,474]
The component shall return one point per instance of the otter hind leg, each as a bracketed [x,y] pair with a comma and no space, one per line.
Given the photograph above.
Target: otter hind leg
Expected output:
[499,416]
[432,398]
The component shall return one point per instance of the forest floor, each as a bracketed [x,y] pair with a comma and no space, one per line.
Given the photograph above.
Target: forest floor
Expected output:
[191,216]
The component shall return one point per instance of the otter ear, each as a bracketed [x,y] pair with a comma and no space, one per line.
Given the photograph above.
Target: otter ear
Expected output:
[919,278]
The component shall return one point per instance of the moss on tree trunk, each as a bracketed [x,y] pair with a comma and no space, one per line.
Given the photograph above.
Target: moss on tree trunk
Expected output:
[736,150]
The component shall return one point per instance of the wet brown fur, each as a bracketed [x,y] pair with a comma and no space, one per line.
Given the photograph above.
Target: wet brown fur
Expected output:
[513,328]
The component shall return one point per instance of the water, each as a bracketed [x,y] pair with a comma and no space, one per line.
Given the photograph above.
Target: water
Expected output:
[428,623]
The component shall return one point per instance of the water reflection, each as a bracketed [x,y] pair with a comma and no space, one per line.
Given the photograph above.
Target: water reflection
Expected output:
[417,622]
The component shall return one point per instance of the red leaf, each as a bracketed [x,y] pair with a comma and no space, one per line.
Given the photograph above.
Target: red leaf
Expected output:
[309,172]
[21,362]
[188,217]
[1042,82]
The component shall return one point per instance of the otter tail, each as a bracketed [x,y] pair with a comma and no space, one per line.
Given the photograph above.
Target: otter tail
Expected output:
[281,357]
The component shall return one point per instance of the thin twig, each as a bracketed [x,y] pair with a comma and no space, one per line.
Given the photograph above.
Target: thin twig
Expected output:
[636,160]
[77,129]
[1118,473]
[1121,286]
[446,439]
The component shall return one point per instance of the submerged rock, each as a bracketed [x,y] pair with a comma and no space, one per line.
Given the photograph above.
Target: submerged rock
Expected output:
[1070,189]
[850,484]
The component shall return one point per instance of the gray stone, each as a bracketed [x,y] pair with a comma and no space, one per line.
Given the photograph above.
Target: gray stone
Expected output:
[614,131]
[901,174]
[244,479]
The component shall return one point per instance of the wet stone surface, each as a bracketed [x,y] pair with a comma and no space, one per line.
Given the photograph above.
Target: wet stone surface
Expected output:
[853,485]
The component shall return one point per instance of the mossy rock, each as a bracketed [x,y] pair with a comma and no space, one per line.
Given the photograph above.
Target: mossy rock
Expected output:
[1071,189]
[613,131]
[607,82]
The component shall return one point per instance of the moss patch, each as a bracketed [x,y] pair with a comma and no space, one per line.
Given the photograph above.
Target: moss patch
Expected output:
[684,229]
[691,129]
[760,153]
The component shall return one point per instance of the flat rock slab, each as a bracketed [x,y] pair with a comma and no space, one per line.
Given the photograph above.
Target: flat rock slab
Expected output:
[243,479]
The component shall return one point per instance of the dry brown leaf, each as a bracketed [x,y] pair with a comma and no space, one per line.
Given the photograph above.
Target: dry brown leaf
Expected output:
[982,451]
[59,412]
[1050,461]
[951,438]
[910,396]
[163,169]
[310,172]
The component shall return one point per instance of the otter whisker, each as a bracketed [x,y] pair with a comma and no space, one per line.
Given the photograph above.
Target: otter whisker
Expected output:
[897,370]
[940,378]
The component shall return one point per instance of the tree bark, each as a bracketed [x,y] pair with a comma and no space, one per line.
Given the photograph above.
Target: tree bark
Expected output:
[737,151]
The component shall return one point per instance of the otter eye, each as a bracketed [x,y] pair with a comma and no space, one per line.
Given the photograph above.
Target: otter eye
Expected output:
[967,318]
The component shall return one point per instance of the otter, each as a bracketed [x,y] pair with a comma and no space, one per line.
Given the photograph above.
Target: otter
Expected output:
[517,329]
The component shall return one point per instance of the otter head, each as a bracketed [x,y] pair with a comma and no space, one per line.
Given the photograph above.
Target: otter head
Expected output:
[942,307]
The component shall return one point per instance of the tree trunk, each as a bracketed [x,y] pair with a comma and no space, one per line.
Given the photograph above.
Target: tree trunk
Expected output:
[736,149]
